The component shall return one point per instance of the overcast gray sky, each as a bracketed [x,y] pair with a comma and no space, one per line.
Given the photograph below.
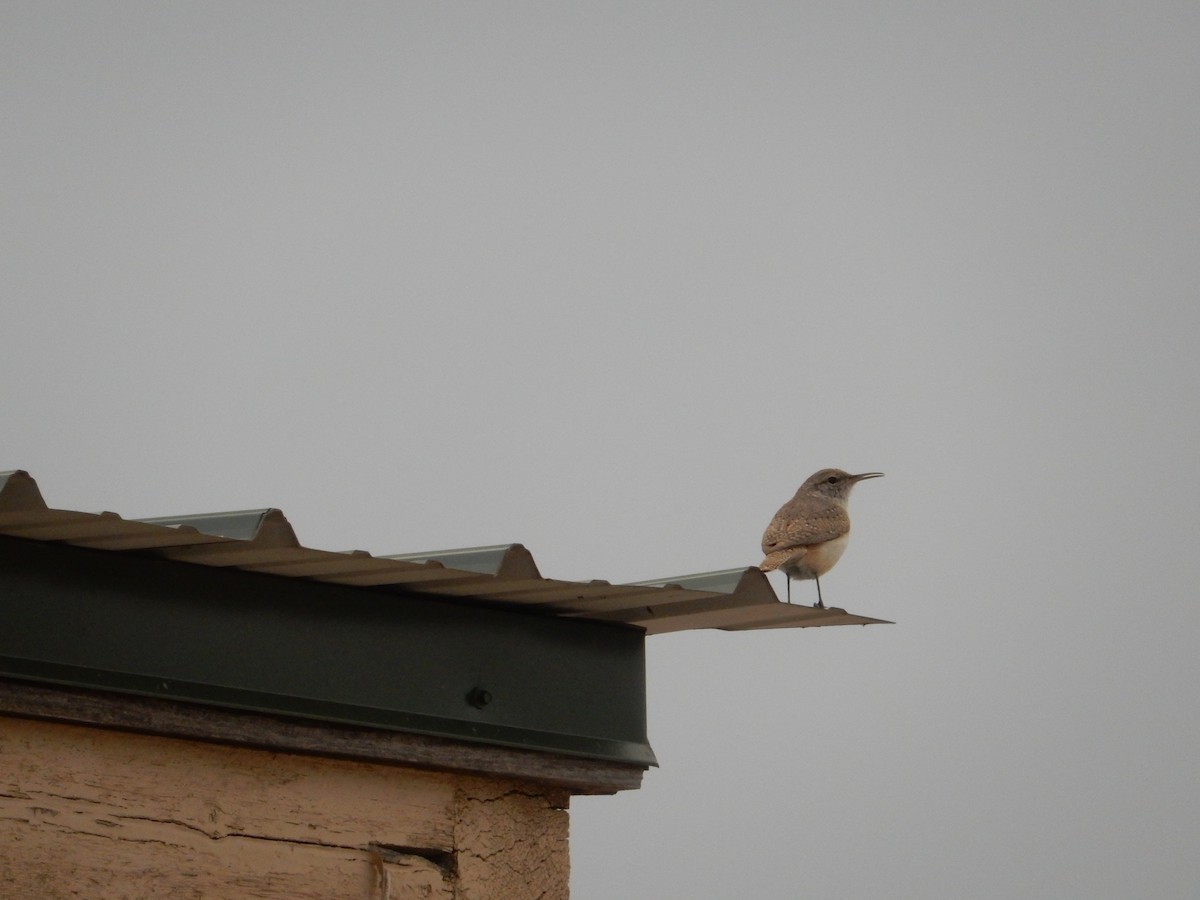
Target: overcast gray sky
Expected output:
[611,279]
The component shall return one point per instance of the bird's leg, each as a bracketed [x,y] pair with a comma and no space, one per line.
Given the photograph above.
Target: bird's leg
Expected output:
[788,580]
[820,604]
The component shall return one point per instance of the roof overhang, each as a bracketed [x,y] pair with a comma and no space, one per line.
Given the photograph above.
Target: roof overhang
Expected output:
[263,541]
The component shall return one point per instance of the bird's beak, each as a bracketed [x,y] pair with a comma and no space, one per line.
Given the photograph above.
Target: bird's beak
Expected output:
[854,479]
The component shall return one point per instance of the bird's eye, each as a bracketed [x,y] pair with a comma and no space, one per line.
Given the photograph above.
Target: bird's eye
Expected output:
[832,479]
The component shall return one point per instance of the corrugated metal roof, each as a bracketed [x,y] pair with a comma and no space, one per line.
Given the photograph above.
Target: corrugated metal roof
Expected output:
[262,540]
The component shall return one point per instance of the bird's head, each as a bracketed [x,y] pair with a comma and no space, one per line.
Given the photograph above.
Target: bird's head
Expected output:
[835,483]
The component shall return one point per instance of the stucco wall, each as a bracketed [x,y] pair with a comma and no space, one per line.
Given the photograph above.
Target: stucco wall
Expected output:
[98,813]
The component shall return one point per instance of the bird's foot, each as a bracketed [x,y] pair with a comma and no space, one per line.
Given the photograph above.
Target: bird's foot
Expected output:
[819,605]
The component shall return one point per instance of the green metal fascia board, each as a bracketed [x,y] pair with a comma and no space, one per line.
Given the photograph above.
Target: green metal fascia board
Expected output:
[137,624]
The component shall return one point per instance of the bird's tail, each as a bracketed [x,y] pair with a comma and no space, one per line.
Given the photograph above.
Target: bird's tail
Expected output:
[778,558]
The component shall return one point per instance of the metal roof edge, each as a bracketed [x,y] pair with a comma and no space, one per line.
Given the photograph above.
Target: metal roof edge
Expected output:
[506,575]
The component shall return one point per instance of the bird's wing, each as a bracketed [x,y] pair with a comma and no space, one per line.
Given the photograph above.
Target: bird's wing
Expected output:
[787,530]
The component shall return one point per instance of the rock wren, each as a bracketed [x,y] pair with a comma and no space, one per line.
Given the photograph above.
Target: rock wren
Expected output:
[810,531]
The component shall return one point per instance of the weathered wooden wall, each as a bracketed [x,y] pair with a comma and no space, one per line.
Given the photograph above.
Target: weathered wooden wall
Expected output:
[87,812]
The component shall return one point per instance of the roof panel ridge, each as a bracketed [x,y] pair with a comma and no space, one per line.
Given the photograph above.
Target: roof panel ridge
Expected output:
[19,492]
[504,560]
[749,582]
[262,527]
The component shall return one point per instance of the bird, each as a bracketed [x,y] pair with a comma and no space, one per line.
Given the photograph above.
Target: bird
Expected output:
[808,534]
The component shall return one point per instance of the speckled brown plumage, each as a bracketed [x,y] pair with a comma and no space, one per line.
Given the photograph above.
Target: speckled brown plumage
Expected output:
[801,522]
